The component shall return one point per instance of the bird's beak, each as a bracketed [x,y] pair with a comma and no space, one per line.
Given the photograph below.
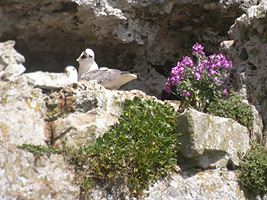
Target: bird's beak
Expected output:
[80,57]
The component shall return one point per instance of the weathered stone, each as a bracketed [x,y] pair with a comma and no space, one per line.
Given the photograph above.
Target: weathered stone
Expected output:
[21,110]
[211,141]
[48,80]
[189,185]
[10,61]
[21,106]
[80,129]
[249,54]
[94,110]
[24,177]
[9,56]
[146,37]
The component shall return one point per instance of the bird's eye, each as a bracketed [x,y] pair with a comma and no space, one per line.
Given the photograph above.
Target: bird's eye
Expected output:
[90,56]
[83,56]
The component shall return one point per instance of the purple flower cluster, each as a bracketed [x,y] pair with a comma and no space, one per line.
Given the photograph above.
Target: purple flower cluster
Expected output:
[212,68]
[198,50]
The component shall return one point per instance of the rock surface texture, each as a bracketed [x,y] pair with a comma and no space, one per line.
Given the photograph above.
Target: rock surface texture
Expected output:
[211,141]
[75,116]
[249,54]
[147,37]
[144,37]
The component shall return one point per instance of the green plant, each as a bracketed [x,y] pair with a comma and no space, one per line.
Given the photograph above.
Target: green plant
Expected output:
[136,151]
[39,150]
[253,170]
[234,108]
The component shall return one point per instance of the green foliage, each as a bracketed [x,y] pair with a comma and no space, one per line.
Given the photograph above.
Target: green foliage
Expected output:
[232,108]
[253,170]
[136,151]
[39,150]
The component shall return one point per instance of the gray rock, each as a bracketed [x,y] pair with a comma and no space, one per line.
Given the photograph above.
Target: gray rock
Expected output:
[21,110]
[10,61]
[9,56]
[189,185]
[211,141]
[192,185]
[145,37]
[48,80]
[21,106]
[249,52]
[24,177]
[88,111]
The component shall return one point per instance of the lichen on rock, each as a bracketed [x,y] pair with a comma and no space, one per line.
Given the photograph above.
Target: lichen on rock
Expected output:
[211,141]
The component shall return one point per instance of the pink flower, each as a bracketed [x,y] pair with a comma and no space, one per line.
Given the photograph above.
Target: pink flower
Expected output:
[197,75]
[225,91]
[185,94]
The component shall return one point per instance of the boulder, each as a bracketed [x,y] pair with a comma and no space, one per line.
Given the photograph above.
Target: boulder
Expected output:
[77,116]
[191,185]
[210,141]
[10,61]
[188,185]
[22,176]
[21,106]
[48,80]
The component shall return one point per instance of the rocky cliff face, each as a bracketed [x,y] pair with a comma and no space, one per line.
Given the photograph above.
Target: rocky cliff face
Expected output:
[249,55]
[147,37]
[75,115]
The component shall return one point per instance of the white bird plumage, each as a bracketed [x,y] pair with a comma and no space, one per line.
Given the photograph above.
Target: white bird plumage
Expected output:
[72,74]
[86,62]
[109,78]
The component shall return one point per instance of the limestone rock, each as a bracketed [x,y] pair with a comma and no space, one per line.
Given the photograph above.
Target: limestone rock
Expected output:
[211,141]
[10,61]
[23,177]
[21,110]
[79,115]
[9,56]
[189,185]
[48,80]
[80,129]
[249,52]
[146,37]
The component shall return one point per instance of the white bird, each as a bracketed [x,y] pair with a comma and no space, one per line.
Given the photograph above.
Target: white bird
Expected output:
[72,74]
[86,62]
[109,78]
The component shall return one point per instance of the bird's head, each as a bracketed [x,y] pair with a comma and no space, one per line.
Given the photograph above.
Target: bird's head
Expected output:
[71,73]
[70,70]
[86,56]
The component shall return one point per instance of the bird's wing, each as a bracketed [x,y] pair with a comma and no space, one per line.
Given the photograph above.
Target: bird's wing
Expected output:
[101,75]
